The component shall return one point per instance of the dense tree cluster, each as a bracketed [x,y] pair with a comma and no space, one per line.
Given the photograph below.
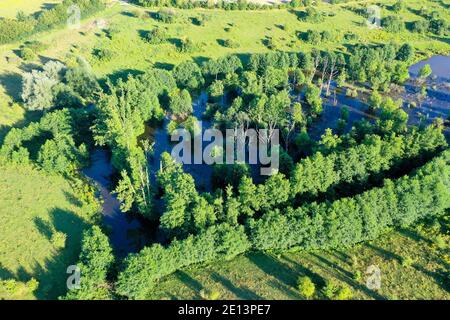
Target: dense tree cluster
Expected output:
[52,143]
[59,86]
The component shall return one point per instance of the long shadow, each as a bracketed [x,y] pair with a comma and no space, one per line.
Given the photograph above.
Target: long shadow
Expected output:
[121,74]
[51,274]
[5,273]
[242,293]
[190,282]
[12,83]
[384,253]
[345,276]
[439,276]
[44,227]
[413,235]
[274,267]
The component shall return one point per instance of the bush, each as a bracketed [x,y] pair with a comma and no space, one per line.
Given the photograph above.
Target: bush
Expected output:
[393,24]
[230,43]
[103,54]
[312,15]
[420,26]
[438,26]
[27,54]
[306,287]
[166,15]
[156,36]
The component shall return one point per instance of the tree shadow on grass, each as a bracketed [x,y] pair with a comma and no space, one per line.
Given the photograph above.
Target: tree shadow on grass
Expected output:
[121,74]
[286,277]
[414,235]
[240,292]
[51,274]
[384,253]
[12,83]
[5,273]
[44,227]
[190,282]
[343,275]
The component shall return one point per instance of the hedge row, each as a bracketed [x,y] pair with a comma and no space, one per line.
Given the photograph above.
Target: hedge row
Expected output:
[152,263]
[221,4]
[318,173]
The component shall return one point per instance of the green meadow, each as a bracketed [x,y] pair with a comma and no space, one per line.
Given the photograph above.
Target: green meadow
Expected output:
[42,221]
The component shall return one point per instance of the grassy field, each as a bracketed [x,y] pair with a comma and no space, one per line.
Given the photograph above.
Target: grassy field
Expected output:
[37,213]
[251,29]
[9,8]
[412,267]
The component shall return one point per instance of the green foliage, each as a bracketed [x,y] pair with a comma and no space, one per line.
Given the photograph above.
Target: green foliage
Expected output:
[314,100]
[27,54]
[405,53]
[363,217]
[103,54]
[180,102]
[312,15]
[420,26]
[166,15]
[306,287]
[157,35]
[230,43]
[142,270]
[96,259]
[425,71]
[438,26]
[16,29]
[57,153]
[188,75]
[393,24]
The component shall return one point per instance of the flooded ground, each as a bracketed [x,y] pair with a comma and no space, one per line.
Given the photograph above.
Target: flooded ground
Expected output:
[435,104]
[129,233]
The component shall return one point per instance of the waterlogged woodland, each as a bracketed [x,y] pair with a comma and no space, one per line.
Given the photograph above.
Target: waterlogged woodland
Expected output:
[363,186]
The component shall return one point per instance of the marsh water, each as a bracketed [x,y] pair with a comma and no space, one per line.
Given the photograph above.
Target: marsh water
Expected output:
[129,233]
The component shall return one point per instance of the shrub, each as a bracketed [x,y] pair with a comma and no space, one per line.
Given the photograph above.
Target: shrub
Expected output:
[306,287]
[166,15]
[438,26]
[27,54]
[156,36]
[187,46]
[230,43]
[103,54]
[420,26]
[407,261]
[393,24]
[312,15]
